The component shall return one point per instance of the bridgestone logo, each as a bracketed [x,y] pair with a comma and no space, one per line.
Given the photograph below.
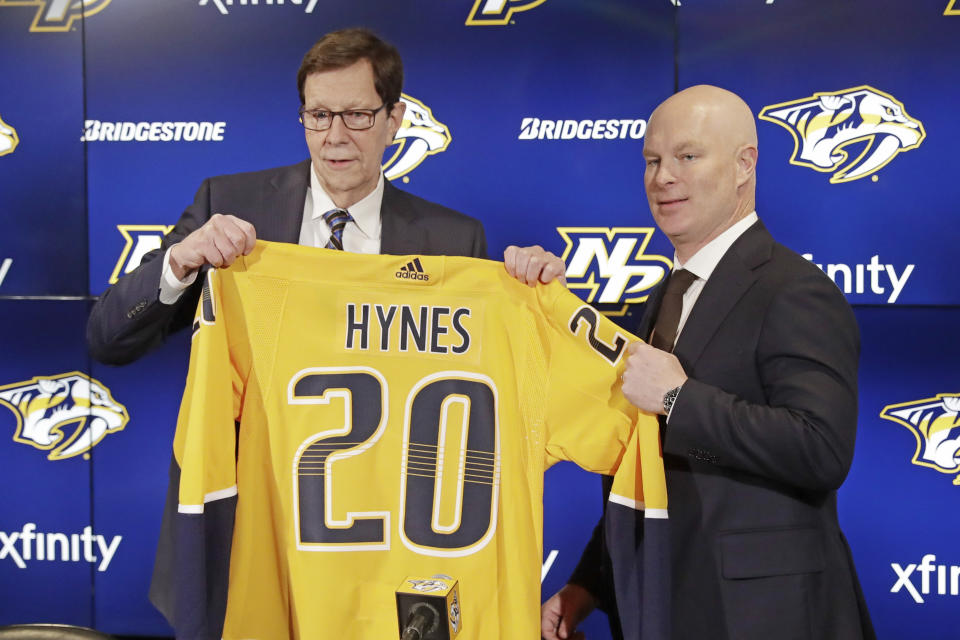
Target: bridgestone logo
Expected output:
[614,129]
[97,131]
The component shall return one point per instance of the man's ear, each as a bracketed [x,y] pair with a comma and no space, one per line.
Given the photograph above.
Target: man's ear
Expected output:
[746,163]
[395,118]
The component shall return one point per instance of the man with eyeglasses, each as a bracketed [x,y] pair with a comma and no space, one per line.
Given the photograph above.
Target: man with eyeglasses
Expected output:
[349,83]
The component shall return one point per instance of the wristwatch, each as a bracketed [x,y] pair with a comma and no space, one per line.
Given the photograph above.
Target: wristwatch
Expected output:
[669,398]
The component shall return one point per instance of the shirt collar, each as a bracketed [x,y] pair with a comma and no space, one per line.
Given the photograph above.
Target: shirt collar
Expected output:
[366,212]
[703,262]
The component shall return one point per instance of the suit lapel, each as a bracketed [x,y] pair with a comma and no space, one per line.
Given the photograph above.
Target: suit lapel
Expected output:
[732,278]
[280,215]
[400,232]
[650,310]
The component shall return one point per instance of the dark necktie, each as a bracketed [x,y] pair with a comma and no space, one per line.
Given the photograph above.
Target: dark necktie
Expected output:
[336,219]
[665,330]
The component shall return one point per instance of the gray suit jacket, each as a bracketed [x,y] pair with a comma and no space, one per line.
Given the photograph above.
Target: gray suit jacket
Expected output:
[760,438]
[128,319]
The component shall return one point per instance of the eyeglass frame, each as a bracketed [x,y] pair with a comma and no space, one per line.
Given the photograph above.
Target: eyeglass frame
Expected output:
[333,114]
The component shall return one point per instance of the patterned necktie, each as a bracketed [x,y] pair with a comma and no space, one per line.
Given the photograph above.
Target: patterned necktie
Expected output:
[665,330]
[336,219]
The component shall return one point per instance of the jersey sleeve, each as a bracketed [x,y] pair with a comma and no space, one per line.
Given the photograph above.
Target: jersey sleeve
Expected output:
[205,466]
[205,440]
[588,419]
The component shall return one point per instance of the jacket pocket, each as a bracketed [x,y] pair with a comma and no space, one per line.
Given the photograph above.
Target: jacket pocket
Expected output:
[769,576]
[776,552]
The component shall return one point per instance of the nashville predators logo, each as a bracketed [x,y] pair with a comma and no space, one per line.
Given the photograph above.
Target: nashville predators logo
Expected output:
[935,422]
[829,129]
[47,406]
[497,12]
[420,135]
[611,266]
[952,9]
[8,138]
[427,586]
[58,15]
[139,239]
[454,613]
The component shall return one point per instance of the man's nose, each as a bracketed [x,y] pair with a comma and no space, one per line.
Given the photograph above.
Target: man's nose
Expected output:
[663,175]
[338,131]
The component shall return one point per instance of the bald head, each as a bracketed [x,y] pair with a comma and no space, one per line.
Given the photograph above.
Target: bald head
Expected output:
[701,153]
[722,113]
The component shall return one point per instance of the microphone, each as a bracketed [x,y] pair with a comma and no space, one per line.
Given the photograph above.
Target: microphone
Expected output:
[429,608]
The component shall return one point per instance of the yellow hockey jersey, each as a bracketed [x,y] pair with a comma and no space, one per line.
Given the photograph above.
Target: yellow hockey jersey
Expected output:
[351,420]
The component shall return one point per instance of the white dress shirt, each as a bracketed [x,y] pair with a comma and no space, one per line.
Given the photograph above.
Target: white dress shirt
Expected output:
[703,262]
[361,235]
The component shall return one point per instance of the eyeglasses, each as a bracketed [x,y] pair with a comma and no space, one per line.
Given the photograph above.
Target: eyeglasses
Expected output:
[321,119]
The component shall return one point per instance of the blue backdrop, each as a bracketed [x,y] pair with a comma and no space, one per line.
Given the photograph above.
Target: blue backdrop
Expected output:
[533,113]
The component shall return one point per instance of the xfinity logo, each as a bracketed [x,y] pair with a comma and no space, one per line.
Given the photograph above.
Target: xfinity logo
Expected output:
[855,278]
[4,268]
[612,129]
[548,564]
[222,5]
[947,578]
[28,544]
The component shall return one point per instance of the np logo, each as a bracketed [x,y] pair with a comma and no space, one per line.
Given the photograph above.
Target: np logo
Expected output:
[139,239]
[613,263]
[498,12]
[8,138]
[58,15]
[935,422]
[952,9]
[46,406]
[427,586]
[830,128]
[419,136]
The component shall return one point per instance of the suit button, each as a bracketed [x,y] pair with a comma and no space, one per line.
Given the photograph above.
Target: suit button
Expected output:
[137,309]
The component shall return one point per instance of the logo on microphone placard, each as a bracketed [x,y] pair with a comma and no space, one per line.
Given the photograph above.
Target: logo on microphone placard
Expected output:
[139,239]
[58,15]
[8,138]
[420,135]
[851,133]
[46,407]
[935,423]
[609,267]
[953,9]
[454,612]
[498,12]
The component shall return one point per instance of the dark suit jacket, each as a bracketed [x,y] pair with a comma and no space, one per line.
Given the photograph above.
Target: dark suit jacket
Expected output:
[760,438]
[129,319]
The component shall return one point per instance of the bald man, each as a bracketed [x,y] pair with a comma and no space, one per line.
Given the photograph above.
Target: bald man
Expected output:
[751,363]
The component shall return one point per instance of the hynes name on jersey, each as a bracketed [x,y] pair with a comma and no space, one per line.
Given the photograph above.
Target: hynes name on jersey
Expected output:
[427,329]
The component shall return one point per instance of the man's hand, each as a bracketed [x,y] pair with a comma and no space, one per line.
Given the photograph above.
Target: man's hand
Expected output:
[218,242]
[650,373]
[560,615]
[531,265]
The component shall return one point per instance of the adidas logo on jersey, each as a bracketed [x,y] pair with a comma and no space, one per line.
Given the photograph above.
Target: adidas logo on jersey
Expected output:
[413,270]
